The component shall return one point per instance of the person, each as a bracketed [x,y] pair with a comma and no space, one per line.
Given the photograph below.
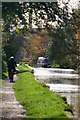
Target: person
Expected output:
[11,68]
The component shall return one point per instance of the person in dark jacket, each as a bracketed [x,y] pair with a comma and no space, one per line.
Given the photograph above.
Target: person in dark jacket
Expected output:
[11,68]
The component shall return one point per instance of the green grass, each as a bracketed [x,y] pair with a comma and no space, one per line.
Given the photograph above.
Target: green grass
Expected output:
[4,75]
[1,83]
[36,98]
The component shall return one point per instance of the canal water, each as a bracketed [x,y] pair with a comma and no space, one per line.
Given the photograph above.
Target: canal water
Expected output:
[64,82]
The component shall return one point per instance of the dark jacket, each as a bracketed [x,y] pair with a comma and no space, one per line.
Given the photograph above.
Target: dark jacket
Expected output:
[11,64]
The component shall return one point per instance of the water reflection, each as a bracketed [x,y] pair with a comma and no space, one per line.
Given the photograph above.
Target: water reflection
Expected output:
[64,81]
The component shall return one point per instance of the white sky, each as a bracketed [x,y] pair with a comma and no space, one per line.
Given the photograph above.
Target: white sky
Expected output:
[74,3]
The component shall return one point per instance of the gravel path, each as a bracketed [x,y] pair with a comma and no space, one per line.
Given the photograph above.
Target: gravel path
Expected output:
[10,109]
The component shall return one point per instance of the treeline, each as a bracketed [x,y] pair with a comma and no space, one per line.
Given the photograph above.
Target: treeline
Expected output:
[64,48]
[41,29]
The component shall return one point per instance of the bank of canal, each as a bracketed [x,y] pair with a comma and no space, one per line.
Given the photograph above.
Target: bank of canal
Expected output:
[64,82]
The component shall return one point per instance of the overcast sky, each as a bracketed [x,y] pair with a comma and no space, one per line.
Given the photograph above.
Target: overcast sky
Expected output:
[74,3]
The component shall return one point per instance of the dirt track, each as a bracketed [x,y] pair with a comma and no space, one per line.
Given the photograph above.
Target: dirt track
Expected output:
[10,109]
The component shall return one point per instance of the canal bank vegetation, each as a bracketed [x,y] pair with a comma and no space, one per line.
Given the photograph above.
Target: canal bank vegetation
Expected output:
[77,71]
[5,75]
[1,83]
[36,98]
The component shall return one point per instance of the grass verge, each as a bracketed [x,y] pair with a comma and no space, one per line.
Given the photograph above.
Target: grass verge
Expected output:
[1,83]
[36,97]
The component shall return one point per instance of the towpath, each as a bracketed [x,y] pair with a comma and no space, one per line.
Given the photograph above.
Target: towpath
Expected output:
[10,109]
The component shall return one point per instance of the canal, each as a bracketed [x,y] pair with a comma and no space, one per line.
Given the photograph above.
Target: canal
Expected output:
[64,82]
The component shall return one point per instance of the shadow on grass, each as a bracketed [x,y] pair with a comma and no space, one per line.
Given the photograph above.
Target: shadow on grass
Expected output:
[16,72]
[21,71]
